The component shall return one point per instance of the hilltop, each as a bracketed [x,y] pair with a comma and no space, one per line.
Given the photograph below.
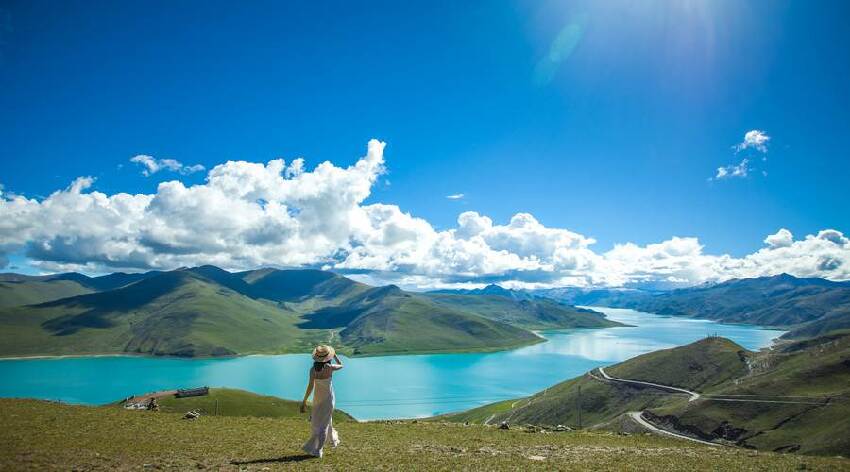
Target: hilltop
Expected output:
[207,311]
[47,436]
[795,397]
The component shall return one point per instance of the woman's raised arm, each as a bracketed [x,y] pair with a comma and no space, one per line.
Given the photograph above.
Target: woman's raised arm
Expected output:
[338,364]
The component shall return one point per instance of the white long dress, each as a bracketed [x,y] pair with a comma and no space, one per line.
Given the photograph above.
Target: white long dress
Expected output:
[322,418]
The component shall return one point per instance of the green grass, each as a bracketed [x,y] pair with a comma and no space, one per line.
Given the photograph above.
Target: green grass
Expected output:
[813,369]
[697,366]
[809,371]
[558,405]
[44,436]
[28,292]
[233,402]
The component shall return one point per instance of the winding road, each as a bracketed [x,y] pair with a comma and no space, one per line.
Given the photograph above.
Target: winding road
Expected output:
[693,395]
[637,416]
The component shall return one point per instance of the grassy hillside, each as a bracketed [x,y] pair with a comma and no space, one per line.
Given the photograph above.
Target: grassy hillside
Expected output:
[405,323]
[836,320]
[207,311]
[793,398]
[690,366]
[538,313]
[177,313]
[814,373]
[698,366]
[233,402]
[46,436]
[27,292]
[559,405]
[17,289]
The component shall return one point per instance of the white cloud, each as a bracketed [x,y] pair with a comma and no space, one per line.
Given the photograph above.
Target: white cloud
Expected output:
[741,170]
[754,139]
[782,238]
[152,165]
[246,215]
[456,196]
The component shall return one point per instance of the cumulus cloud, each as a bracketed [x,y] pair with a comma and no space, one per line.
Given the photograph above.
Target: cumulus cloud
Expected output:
[152,165]
[455,196]
[246,215]
[754,139]
[782,238]
[741,170]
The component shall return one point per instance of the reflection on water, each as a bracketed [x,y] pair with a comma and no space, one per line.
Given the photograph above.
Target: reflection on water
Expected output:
[378,387]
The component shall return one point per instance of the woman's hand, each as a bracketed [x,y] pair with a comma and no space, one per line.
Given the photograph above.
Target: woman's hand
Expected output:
[303,408]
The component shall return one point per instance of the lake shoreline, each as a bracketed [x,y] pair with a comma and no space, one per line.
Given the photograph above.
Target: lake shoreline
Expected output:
[538,333]
[372,387]
[540,339]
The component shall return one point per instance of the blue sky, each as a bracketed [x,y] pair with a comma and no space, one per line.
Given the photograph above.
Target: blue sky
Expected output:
[608,119]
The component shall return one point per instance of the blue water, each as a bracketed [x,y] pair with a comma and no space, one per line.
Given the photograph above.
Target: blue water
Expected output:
[377,387]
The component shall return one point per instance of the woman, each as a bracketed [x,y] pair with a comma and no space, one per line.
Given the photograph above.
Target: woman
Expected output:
[323,400]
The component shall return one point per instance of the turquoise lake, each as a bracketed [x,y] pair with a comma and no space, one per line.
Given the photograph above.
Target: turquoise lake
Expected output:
[377,387]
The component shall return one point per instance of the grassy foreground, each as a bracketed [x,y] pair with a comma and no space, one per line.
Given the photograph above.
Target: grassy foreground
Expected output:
[45,436]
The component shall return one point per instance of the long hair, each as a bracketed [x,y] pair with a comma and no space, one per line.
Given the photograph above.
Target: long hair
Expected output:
[318,366]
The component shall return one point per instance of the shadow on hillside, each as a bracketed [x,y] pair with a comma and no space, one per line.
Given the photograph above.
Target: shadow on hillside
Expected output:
[273,460]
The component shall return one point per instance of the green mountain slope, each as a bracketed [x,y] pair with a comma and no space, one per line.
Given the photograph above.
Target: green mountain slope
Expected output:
[27,292]
[388,320]
[17,290]
[812,377]
[698,366]
[690,366]
[207,311]
[529,313]
[409,323]
[176,313]
[792,398]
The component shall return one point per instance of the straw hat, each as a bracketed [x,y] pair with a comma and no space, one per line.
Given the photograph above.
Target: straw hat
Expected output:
[323,353]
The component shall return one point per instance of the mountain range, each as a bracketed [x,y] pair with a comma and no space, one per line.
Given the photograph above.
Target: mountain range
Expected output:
[207,311]
[807,307]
